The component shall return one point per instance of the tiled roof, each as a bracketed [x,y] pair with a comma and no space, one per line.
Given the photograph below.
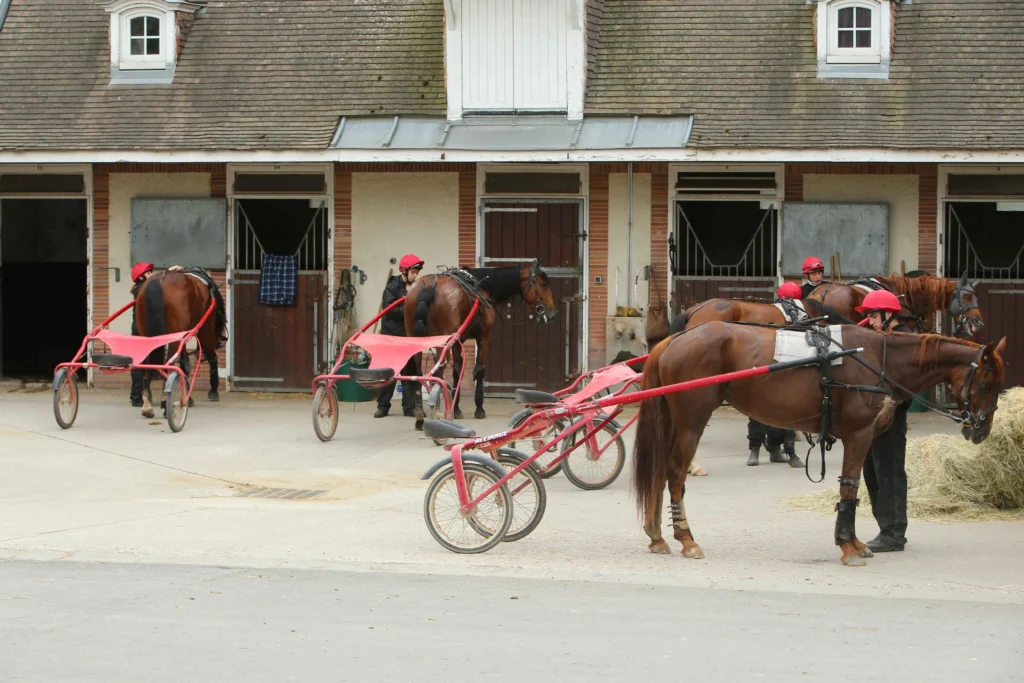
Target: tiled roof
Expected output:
[747,70]
[254,74]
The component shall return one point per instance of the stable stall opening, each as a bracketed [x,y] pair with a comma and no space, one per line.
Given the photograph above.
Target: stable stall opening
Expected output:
[43,291]
[279,347]
[985,240]
[724,249]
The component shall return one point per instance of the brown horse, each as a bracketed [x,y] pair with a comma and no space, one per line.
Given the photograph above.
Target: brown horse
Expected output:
[922,297]
[170,302]
[438,305]
[670,426]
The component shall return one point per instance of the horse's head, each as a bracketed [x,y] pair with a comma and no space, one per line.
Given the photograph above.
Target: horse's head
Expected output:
[977,390]
[963,307]
[533,284]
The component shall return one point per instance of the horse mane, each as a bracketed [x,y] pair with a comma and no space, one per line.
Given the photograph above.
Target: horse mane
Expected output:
[924,295]
[500,283]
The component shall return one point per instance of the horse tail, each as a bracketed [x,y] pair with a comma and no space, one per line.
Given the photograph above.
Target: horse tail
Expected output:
[220,316]
[423,302]
[156,322]
[655,438]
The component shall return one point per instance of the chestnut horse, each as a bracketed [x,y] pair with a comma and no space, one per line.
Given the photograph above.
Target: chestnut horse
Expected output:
[437,304]
[170,302]
[671,425]
[922,297]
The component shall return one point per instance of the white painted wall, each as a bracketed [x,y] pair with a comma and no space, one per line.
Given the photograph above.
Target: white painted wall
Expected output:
[618,231]
[399,213]
[123,187]
[900,192]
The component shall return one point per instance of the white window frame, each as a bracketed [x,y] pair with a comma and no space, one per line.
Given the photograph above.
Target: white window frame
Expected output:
[829,51]
[123,11]
[129,61]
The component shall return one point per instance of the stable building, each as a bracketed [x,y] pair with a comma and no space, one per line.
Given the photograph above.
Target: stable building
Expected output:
[643,152]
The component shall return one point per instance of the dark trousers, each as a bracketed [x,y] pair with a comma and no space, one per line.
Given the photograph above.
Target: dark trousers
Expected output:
[885,475]
[135,393]
[410,391]
[759,434]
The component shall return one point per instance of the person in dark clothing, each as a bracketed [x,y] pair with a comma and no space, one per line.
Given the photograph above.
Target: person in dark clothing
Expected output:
[140,273]
[885,471]
[814,269]
[781,443]
[393,324]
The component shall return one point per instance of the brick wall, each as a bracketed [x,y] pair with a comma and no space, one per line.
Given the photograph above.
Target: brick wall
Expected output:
[597,244]
[927,242]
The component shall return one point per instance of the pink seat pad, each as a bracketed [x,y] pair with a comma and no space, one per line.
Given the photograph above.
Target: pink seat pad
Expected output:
[136,348]
[394,352]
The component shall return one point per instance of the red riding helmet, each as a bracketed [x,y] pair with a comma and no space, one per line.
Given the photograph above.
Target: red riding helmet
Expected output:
[880,300]
[140,269]
[789,290]
[813,263]
[410,261]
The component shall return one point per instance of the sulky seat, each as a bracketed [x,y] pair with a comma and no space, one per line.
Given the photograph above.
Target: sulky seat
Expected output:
[530,397]
[445,429]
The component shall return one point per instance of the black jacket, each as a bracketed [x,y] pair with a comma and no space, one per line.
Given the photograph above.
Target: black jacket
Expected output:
[394,322]
[806,289]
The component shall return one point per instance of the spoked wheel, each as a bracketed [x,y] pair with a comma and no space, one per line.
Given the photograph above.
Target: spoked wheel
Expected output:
[65,401]
[437,412]
[598,461]
[481,528]
[325,412]
[531,445]
[529,498]
[177,407]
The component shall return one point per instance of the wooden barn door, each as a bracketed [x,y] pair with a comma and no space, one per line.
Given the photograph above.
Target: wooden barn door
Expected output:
[524,353]
[278,348]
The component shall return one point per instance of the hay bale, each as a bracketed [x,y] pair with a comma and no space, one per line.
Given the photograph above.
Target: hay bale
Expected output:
[950,478]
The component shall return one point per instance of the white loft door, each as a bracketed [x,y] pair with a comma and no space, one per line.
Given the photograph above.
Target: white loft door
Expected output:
[487,54]
[542,31]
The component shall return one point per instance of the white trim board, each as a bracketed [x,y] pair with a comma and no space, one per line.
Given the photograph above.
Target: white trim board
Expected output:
[865,155]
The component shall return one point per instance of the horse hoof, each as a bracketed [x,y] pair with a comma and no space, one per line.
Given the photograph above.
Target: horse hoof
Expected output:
[148,413]
[457,415]
[191,402]
[854,561]
[660,548]
[419,425]
[480,414]
[214,396]
[699,472]
[866,552]
[693,552]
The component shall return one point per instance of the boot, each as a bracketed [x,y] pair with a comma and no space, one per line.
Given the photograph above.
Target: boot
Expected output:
[789,445]
[794,459]
[381,412]
[886,543]
[752,458]
[775,454]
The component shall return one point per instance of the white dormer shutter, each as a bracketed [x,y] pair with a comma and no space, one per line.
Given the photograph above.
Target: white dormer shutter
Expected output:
[516,54]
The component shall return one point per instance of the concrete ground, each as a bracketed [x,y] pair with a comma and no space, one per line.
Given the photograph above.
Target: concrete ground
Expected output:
[161,513]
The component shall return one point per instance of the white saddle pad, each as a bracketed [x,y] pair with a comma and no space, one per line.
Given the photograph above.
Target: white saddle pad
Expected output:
[792,345]
[799,304]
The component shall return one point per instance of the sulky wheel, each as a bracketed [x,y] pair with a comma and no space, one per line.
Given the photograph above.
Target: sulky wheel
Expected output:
[325,412]
[532,444]
[177,406]
[478,530]
[529,498]
[585,467]
[65,400]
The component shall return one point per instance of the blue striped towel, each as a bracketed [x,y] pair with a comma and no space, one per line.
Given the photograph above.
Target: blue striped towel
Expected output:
[279,280]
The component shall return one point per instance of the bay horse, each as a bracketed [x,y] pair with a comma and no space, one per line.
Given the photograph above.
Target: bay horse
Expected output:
[170,302]
[670,426]
[437,304]
[922,297]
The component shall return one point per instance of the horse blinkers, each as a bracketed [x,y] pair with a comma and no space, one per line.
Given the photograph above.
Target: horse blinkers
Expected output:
[974,421]
[959,308]
[544,314]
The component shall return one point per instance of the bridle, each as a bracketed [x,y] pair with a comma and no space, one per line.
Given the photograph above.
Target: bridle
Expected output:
[531,287]
[968,417]
[958,308]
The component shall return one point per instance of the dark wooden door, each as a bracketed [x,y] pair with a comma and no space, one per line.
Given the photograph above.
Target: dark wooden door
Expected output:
[1002,306]
[277,347]
[523,352]
[690,291]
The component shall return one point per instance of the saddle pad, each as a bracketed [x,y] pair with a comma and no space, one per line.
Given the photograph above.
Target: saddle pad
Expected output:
[799,304]
[792,345]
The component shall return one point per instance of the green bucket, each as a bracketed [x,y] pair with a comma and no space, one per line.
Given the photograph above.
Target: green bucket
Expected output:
[916,406]
[349,391]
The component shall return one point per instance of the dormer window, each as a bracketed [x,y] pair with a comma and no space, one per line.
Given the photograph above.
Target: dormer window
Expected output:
[857,33]
[146,37]
[143,45]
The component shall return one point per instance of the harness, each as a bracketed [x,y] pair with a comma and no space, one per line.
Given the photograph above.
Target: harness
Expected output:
[472,286]
[958,308]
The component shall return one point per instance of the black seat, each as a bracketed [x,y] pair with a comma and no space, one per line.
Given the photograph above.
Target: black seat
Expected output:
[377,377]
[110,360]
[530,397]
[444,429]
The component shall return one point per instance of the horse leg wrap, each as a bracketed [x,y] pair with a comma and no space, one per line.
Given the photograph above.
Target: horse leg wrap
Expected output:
[845,520]
[678,516]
